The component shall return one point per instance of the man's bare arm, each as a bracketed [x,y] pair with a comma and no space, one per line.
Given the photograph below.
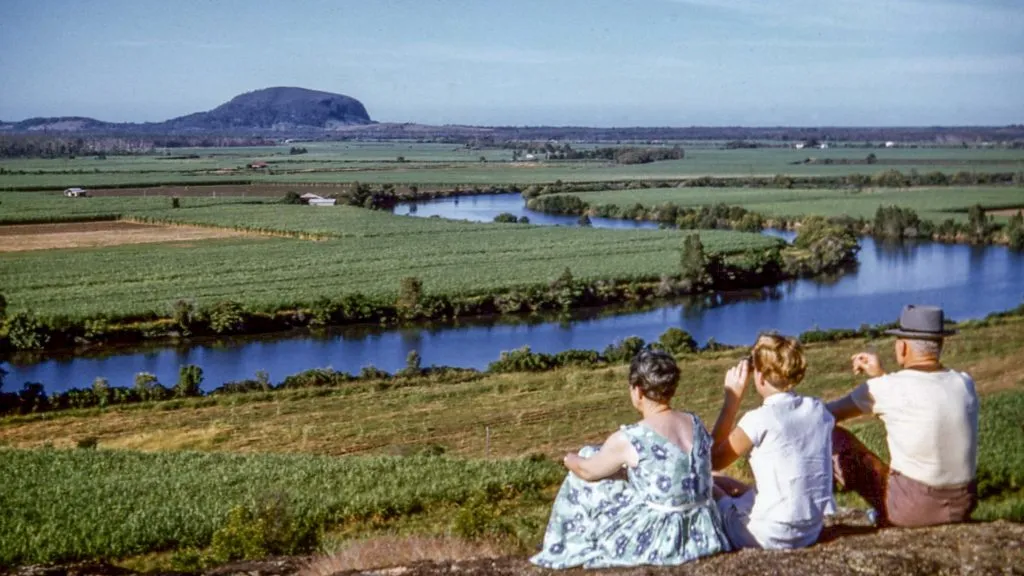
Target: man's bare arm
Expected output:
[844,408]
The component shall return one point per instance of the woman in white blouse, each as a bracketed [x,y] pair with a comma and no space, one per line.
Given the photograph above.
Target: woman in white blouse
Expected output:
[789,442]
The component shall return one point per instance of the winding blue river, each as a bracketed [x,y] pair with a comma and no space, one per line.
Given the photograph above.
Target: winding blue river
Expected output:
[968,281]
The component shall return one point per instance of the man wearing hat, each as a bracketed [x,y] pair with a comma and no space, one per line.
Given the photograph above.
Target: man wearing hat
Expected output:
[931,422]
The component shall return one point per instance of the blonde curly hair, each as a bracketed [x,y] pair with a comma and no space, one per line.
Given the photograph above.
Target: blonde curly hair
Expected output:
[780,359]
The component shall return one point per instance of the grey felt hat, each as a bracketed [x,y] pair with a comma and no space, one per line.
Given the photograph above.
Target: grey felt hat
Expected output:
[921,322]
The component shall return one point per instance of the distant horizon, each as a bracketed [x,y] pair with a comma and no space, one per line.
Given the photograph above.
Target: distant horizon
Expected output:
[594,63]
[618,127]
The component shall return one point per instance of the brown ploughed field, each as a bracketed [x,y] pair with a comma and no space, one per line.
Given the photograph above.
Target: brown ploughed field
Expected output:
[22,237]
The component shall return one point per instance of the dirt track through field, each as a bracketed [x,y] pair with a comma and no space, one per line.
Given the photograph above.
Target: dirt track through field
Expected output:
[24,237]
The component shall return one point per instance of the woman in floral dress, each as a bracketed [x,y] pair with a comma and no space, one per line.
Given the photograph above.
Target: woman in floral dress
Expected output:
[662,512]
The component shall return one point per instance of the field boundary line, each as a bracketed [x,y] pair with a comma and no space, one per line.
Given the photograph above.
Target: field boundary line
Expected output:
[317,237]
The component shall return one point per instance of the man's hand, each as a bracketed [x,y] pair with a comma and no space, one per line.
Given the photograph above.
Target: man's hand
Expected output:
[867,363]
[736,378]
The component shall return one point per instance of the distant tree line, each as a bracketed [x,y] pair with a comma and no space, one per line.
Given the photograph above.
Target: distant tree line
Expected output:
[64,146]
[617,154]
[869,136]
[898,223]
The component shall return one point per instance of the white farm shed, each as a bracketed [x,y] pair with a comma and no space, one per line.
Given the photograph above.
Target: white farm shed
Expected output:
[76,192]
[314,200]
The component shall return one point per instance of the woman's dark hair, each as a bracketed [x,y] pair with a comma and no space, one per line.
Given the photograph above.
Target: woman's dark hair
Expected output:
[655,373]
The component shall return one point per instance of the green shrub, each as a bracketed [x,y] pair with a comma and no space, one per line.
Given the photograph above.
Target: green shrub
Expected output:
[693,263]
[413,365]
[148,388]
[582,358]
[410,291]
[190,378]
[371,372]
[227,316]
[322,312]
[315,378]
[268,530]
[623,351]
[25,332]
[676,341]
[183,312]
[101,389]
[522,360]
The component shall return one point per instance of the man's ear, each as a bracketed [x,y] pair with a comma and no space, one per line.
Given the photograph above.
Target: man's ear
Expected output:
[901,350]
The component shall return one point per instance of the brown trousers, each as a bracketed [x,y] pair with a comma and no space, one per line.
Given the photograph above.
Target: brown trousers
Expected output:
[901,501]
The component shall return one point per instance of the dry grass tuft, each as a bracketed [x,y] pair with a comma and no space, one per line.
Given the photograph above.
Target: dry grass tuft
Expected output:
[385,551]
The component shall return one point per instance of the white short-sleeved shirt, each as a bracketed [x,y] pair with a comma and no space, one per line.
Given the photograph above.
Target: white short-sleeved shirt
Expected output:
[792,465]
[931,423]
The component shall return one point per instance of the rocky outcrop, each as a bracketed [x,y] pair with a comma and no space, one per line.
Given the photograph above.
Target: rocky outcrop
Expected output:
[849,548]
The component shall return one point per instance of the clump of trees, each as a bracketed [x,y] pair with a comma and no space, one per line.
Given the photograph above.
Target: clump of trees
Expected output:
[693,263]
[822,245]
[1015,231]
[895,222]
[295,150]
[617,154]
[509,218]
[560,204]
[365,196]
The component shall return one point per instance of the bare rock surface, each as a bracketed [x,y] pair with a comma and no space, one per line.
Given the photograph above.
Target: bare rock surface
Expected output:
[995,548]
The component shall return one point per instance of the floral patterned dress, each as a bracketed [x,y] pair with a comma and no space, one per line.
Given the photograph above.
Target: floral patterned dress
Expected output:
[663,514]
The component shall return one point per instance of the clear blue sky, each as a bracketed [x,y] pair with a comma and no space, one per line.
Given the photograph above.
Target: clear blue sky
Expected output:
[526,62]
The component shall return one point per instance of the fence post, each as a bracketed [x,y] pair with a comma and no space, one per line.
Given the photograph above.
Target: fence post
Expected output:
[487,443]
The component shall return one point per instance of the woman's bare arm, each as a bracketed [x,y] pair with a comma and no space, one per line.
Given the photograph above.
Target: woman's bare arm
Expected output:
[614,454]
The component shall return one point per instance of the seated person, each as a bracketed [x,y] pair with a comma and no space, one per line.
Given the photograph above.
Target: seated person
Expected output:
[931,423]
[663,512]
[789,441]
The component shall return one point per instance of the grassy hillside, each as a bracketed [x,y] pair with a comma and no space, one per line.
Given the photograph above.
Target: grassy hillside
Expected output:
[64,503]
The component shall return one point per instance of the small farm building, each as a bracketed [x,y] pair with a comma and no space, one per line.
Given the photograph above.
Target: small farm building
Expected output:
[314,200]
[258,165]
[76,192]
[890,144]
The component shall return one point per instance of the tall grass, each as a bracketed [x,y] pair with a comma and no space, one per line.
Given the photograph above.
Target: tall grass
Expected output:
[63,505]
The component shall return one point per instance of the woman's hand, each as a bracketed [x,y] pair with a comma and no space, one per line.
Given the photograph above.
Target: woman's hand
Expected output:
[736,378]
[572,461]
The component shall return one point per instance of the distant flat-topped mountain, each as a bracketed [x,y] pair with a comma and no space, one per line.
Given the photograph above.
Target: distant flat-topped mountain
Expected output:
[274,109]
[280,108]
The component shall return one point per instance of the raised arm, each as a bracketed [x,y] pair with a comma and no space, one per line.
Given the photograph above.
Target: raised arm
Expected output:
[609,460]
[730,442]
[846,407]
